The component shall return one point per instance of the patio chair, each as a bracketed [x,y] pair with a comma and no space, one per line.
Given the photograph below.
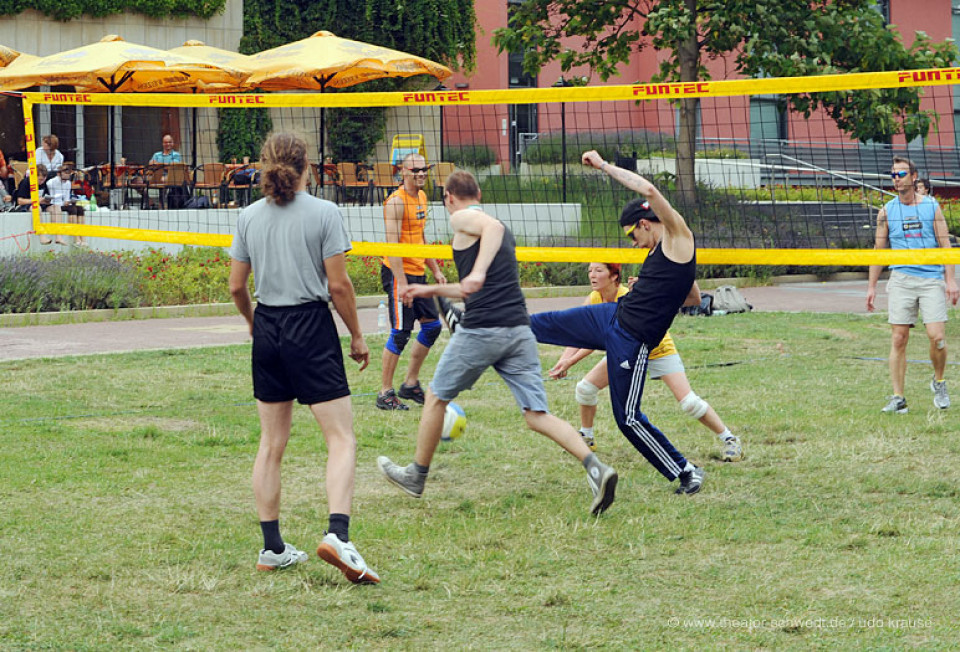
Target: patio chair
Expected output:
[384,180]
[353,179]
[176,185]
[438,177]
[208,178]
[327,178]
[240,180]
[142,180]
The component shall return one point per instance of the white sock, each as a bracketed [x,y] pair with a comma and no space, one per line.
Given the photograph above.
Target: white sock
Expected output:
[725,435]
[587,432]
[688,467]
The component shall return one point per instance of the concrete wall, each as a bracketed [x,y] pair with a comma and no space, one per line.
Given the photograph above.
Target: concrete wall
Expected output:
[34,33]
[530,223]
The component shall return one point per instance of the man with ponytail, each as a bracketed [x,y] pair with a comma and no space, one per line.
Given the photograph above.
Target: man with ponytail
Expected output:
[294,245]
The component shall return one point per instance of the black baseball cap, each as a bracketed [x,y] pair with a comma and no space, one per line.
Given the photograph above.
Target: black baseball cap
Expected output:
[636,210]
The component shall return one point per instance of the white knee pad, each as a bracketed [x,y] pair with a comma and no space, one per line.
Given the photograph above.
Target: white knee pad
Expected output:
[941,344]
[586,393]
[694,405]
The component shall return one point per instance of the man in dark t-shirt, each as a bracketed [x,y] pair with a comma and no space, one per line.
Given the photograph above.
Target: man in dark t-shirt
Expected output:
[630,329]
[495,332]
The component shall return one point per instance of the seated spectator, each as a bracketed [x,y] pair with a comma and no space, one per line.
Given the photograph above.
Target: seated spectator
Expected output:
[168,154]
[49,155]
[21,197]
[62,201]
[6,178]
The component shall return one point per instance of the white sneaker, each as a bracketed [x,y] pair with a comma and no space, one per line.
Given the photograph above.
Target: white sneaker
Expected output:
[270,560]
[941,399]
[732,450]
[345,557]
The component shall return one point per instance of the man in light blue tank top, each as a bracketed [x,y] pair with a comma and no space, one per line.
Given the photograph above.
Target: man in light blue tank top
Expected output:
[914,221]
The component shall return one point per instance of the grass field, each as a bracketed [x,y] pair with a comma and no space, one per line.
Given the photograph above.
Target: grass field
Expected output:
[127,517]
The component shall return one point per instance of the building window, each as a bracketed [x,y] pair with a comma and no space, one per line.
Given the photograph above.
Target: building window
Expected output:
[883,6]
[768,122]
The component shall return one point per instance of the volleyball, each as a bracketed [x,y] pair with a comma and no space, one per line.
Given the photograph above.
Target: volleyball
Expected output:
[454,422]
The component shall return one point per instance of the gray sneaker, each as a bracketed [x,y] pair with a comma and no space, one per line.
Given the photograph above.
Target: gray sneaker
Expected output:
[603,483]
[691,481]
[732,450]
[405,477]
[897,405]
[940,397]
[271,561]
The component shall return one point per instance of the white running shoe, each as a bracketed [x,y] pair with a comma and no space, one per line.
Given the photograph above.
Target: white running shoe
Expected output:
[270,560]
[896,405]
[940,397]
[345,557]
[732,450]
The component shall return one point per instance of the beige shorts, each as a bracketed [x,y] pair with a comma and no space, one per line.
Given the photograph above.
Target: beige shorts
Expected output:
[906,295]
[657,368]
[668,364]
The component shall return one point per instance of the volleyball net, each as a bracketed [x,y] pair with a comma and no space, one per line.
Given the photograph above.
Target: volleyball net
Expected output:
[772,186]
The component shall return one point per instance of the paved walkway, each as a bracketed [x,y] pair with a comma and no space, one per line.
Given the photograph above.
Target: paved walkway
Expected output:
[146,334]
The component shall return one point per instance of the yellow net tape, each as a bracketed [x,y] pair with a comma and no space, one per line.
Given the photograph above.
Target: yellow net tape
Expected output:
[649,91]
[721,88]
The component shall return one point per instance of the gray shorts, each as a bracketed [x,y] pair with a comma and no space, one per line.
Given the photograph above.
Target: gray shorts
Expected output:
[907,294]
[511,351]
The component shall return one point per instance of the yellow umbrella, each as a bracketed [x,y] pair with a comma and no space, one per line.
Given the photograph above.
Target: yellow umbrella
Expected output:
[200,51]
[22,61]
[116,66]
[325,60]
[7,55]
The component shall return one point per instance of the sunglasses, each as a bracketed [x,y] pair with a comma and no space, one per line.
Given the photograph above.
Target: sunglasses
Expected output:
[629,232]
[422,170]
[898,174]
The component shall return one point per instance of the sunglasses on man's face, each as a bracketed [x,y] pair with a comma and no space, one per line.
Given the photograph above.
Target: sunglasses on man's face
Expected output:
[422,170]
[629,232]
[898,174]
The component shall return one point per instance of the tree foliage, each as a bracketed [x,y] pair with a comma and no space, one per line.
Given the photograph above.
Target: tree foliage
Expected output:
[439,30]
[777,38]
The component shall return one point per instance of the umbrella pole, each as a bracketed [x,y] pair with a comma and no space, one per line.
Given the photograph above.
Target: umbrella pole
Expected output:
[113,180]
[193,146]
[323,117]
[193,136]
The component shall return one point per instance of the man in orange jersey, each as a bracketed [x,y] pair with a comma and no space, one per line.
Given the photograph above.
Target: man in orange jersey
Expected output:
[405,217]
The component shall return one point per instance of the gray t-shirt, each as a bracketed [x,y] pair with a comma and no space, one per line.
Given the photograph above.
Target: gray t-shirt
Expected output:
[286,245]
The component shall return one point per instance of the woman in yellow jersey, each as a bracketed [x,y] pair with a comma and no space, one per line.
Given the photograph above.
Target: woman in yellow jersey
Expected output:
[664,364]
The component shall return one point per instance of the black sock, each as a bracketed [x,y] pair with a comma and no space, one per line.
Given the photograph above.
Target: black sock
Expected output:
[422,470]
[271,536]
[340,526]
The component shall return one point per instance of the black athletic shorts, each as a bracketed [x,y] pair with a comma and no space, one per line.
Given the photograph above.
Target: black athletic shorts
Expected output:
[402,316]
[297,354]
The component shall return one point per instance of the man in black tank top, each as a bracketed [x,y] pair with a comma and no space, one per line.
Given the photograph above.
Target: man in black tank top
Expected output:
[495,332]
[630,329]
